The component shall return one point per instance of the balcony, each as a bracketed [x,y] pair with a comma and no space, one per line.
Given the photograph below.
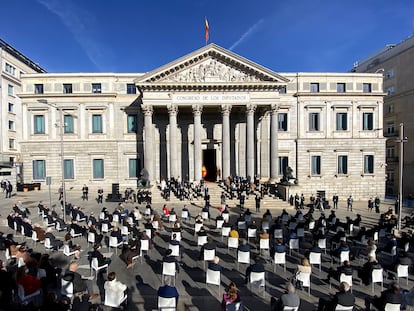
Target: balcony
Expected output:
[391,134]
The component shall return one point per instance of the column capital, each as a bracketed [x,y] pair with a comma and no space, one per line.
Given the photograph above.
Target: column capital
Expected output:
[172,109]
[250,108]
[275,108]
[197,109]
[148,110]
[225,109]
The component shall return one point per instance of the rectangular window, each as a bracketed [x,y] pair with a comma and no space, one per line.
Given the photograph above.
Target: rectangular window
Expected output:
[39,169]
[342,164]
[366,87]
[96,88]
[368,121]
[390,90]
[132,165]
[390,128]
[68,169]
[132,123]
[39,124]
[10,69]
[11,125]
[11,143]
[282,122]
[316,165]
[96,123]
[368,164]
[67,88]
[341,121]
[11,107]
[282,90]
[389,74]
[98,168]
[314,87]
[38,88]
[283,164]
[390,152]
[131,88]
[314,121]
[340,88]
[68,122]
[10,89]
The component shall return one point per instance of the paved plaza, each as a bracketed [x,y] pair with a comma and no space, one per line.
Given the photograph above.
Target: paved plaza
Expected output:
[144,278]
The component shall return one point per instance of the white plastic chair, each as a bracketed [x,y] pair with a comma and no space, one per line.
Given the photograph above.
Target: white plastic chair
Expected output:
[47,244]
[264,244]
[166,304]
[243,257]
[322,244]
[213,277]
[113,243]
[105,228]
[225,216]
[287,308]
[67,252]
[402,272]
[377,277]
[201,240]
[145,246]
[115,218]
[225,231]
[265,225]
[279,259]
[293,244]
[219,223]
[148,232]
[343,255]
[251,233]
[204,215]
[241,225]
[305,278]
[208,255]
[124,231]
[315,259]
[343,308]
[66,288]
[114,298]
[278,233]
[258,279]
[175,250]
[197,227]
[232,243]
[346,278]
[73,234]
[172,218]
[95,266]
[91,238]
[34,237]
[169,268]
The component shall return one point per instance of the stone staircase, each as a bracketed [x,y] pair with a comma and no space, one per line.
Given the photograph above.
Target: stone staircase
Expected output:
[215,190]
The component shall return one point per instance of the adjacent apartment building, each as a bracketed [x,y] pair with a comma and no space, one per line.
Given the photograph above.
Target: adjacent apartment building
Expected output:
[212,111]
[396,63]
[13,65]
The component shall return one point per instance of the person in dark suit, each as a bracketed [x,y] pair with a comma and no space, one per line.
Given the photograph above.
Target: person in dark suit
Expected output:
[343,297]
[214,265]
[390,295]
[80,284]
[98,255]
[258,266]
[168,291]
[346,269]
[208,246]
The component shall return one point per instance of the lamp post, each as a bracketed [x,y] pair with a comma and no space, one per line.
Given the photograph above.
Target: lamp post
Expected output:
[401,141]
[62,156]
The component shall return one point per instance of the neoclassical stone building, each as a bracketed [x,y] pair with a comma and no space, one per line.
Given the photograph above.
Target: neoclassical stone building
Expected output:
[212,110]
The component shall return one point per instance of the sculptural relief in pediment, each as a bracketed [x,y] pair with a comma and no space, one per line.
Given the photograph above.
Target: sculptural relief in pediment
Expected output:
[211,70]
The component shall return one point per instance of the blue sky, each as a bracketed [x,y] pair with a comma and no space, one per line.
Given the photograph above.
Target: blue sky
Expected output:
[141,35]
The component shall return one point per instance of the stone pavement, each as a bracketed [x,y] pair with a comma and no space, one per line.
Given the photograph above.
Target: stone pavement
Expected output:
[144,279]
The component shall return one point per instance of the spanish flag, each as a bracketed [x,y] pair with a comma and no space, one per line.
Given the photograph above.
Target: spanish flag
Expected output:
[207,36]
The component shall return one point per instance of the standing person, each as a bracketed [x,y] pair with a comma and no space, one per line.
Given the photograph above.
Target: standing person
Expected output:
[9,189]
[258,198]
[335,200]
[100,195]
[370,204]
[85,191]
[242,199]
[377,203]
[350,201]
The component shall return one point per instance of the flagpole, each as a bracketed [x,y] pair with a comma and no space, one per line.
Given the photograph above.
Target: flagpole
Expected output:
[207,29]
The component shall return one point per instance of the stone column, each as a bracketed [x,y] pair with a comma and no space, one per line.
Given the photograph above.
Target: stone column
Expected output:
[274,157]
[197,109]
[149,141]
[250,141]
[173,111]
[225,141]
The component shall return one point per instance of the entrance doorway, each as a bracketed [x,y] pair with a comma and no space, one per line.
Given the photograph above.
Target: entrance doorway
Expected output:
[209,162]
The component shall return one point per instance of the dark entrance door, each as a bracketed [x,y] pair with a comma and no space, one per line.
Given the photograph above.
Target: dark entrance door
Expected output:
[209,162]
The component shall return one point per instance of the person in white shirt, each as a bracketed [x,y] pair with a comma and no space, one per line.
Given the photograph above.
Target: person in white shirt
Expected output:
[113,285]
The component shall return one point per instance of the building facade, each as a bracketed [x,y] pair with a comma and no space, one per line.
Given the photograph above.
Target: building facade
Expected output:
[210,112]
[396,63]
[13,65]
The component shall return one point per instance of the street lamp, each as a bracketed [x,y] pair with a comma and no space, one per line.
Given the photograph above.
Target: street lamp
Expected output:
[401,141]
[62,156]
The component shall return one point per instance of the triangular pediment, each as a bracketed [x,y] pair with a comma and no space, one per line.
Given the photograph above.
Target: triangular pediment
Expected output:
[211,65]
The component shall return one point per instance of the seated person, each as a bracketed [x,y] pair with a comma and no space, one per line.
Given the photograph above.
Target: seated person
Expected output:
[214,265]
[113,285]
[346,269]
[168,291]
[365,274]
[258,266]
[390,295]
[80,283]
[289,299]
[98,255]
[343,297]
[165,211]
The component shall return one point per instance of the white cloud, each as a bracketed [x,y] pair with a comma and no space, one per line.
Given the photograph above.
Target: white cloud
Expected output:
[244,36]
[82,25]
